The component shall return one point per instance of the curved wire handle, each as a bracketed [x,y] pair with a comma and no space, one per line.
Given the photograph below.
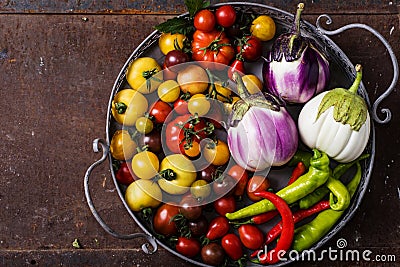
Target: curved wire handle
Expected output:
[148,248]
[391,53]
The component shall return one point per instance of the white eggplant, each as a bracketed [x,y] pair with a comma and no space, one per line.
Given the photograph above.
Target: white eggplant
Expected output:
[336,122]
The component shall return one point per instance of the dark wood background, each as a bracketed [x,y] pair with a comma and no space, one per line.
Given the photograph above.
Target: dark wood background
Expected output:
[58,62]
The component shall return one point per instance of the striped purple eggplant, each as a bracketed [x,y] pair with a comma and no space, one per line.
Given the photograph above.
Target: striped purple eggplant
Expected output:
[261,132]
[295,69]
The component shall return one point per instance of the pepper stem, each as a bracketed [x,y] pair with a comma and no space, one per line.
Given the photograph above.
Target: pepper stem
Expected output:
[354,87]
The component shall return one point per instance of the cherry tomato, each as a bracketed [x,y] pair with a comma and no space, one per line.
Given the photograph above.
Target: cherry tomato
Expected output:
[190,148]
[241,176]
[219,92]
[225,15]
[213,254]
[232,246]
[122,146]
[169,91]
[223,185]
[169,42]
[160,111]
[168,74]
[208,173]
[251,50]
[216,153]
[174,58]
[145,165]
[252,83]
[199,227]
[198,104]
[263,27]
[224,205]
[152,140]
[173,133]
[193,79]
[190,208]
[144,125]
[125,174]
[251,236]
[143,194]
[181,107]
[218,227]
[204,20]
[188,247]
[236,66]
[200,189]
[162,221]
[256,184]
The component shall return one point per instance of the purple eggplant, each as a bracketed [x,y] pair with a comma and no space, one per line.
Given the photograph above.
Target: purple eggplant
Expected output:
[261,132]
[295,70]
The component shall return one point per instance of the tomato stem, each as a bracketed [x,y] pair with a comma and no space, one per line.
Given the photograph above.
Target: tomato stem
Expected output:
[168,174]
[120,107]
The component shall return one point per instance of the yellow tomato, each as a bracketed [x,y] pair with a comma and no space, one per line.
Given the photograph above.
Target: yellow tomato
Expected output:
[122,147]
[193,79]
[144,75]
[200,189]
[263,27]
[169,91]
[252,83]
[220,92]
[145,165]
[168,42]
[216,153]
[127,106]
[144,125]
[198,104]
[228,106]
[143,194]
[184,174]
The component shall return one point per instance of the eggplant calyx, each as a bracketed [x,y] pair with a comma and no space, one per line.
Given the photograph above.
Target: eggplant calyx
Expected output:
[349,107]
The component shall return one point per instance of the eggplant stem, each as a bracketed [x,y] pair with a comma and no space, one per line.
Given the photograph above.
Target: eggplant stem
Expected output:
[354,87]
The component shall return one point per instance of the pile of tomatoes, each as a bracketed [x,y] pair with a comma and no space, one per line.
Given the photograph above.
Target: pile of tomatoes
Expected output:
[170,151]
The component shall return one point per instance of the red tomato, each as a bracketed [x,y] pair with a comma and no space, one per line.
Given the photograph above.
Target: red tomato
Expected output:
[160,111]
[212,47]
[162,221]
[213,254]
[225,16]
[236,66]
[199,227]
[190,208]
[251,49]
[251,236]
[232,246]
[219,226]
[169,74]
[188,247]
[181,106]
[223,185]
[241,176]
[224,205]
[172,133]
[256,184]
[124,174]
[204,20]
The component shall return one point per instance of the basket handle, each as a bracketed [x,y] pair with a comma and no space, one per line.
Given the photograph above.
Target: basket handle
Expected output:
[385,111]
[148,248]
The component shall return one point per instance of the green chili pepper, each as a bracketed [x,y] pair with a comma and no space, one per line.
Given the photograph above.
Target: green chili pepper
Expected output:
[308,234]
[317,175]
[302,156]
[338,191]
[316,196]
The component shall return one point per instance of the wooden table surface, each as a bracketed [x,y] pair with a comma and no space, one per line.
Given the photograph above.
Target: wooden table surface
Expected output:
[58,63]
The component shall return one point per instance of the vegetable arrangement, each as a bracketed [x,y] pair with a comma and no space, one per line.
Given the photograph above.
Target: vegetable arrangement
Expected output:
[199,132]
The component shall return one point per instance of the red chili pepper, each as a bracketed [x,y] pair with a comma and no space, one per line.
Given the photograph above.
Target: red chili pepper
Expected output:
[259,219]
[287,234]
[297,216]
[298,171]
